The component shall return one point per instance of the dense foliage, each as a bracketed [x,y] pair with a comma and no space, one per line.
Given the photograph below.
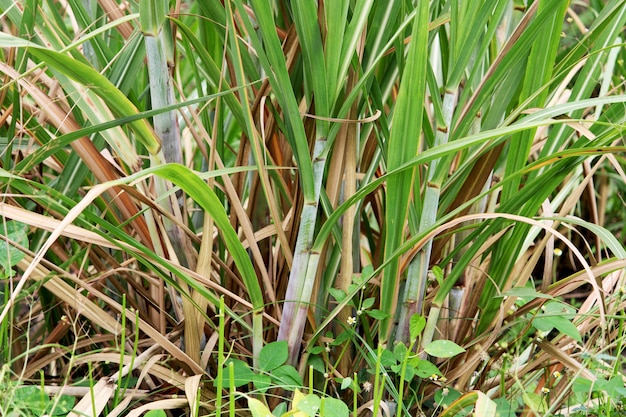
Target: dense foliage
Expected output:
[344,207]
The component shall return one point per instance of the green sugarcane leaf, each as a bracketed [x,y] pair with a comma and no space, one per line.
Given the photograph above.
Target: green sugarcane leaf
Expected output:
[8,41]
[402,146]
[197,189]
[271,57]
[119,104]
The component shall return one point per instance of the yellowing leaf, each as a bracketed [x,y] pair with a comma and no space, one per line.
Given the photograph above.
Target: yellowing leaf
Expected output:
[485,407]
[258,409]
[304,405]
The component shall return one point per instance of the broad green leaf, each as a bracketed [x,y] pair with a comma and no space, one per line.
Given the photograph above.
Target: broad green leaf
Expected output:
[61,406]
[155,413]
[309,404]
[32,398]
[505,407]
[614,387]
[443,349]
[445,397]
[387,358]
[280,409]
[416,325]
[9,254]
[535,401]
[287,377]
[317,363]
[341,338]
[262,382]
[368,303]
[273,355]
[409,373]
[583,385]
[545,323]
[425,369]
[400,351]
[559,308]
[242,373]
[315,350]
[331,407]
[367,270]
[438,273]
[345,383]
[337,294]
[377,314]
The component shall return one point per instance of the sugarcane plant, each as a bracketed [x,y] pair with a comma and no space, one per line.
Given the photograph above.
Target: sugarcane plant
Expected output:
[388,203]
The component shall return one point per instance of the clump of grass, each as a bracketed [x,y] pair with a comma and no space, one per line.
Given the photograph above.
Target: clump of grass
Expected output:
[336,208]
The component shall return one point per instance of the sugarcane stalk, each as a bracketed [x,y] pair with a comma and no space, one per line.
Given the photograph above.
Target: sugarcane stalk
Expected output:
[155,31]
[417,276]
[303,272]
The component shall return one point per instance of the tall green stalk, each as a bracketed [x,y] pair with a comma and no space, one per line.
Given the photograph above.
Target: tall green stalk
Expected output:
[466,19]
[159,51]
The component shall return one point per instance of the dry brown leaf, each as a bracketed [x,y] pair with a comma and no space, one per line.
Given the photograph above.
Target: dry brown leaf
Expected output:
[48,223]
[96,399]
[191,392]
[159,405]
[566,359]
